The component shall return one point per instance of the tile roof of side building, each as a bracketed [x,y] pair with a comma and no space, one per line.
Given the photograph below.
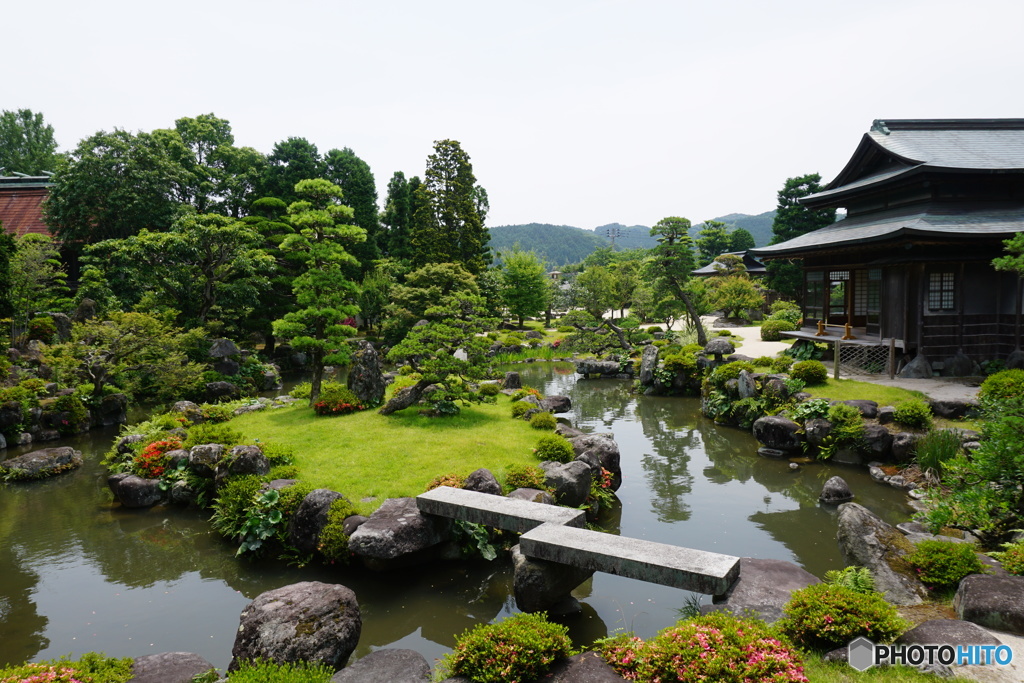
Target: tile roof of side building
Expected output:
[21,199]
[893,151]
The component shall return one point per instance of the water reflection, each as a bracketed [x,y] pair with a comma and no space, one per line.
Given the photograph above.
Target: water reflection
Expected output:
[79,573]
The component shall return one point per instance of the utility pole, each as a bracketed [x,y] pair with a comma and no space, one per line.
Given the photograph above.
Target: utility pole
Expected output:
[612,234]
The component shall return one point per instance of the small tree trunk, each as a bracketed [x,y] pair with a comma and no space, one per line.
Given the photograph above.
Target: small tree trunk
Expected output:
[702,337]
[405,398]
[318,377]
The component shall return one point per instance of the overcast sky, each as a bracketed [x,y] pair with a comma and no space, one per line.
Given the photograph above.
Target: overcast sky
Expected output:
[573,112]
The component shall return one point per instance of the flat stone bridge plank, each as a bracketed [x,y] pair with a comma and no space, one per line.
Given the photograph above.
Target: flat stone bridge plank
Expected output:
[696,570]
[495,511]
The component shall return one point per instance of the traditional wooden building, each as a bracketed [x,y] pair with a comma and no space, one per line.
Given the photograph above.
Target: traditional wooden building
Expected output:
[928,204]
[754,267]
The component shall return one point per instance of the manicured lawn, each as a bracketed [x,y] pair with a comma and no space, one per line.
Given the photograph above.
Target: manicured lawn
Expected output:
[847,389]
[366,455]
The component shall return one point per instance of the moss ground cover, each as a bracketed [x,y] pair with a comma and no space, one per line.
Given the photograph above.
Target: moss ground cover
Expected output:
[366,455]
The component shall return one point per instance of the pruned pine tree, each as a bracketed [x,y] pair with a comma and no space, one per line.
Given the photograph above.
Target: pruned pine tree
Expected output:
[324,296]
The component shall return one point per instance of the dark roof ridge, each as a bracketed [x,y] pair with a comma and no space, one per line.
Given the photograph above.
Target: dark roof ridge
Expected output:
[886,125]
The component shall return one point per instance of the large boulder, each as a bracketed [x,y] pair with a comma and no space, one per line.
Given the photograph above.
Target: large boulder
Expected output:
[533,496]
[778,432]
[482,481]
[952,409]
[835,491]
[589,367]
[365,377]
[390,665]
[903,444]
[45,462]
[168,667]
[868,409]
[648,364]
[309,621]
[512,381]
[543,586]
[877,442]
[919,368]
[556,404]
[133,491]
[310,519]
[397,535]
[243,460]
[221,391]
[867,541]
[10,414]
[223,348]
[604,448]
[570,481]
[111,410]
[203,458]
[995,602]
[586,667]
[764,586]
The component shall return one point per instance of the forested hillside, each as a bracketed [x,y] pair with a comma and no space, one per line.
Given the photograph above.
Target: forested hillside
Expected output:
[562,244]
[555,244]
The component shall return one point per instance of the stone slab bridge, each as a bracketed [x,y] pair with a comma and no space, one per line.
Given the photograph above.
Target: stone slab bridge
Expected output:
[555,553]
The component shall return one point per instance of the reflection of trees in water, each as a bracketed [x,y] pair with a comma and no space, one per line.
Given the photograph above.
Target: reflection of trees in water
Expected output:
[21,625]
[672,436]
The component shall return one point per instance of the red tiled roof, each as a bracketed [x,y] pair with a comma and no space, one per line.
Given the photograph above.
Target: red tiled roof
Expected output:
[21,210]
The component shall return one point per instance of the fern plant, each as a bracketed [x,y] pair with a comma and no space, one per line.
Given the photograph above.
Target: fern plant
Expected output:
[858,579]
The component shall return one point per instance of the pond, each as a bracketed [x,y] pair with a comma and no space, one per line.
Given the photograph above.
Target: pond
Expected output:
[79,573]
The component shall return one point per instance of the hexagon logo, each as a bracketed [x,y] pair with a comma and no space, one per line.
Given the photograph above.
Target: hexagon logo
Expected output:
[860,654]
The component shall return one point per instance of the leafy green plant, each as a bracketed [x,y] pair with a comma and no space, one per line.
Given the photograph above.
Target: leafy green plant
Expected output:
[811,372]
[914,413]
[473,540]
[716,405]
[847,430]
[73,413]
[810,409]
[714,647]
[857,579]
[262,671]
[333,541]
[1011,557]
[554,447]
[746,411]
[825,616]
[942,564]
[543,420]
[808,351]
[522,647]
[933,450]
[261,522]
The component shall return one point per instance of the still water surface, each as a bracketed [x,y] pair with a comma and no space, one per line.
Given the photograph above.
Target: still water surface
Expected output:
[79,573]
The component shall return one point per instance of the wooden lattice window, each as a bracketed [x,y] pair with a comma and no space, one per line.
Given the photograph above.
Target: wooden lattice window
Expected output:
[942,291]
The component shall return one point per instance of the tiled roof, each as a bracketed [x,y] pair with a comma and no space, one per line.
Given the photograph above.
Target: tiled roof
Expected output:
[21,209]
[936,220]
[911,146]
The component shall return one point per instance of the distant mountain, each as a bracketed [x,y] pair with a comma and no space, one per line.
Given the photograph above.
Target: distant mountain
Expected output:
[760,226]
[556,244]
[563,244]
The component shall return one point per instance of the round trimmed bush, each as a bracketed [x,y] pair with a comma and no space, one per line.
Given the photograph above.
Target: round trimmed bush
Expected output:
[810,372]
[523,646]
[781,364]
[712,647]
[770,329]
[788,311]
[941,564]
[520,408]
[914,413]
[525,477]
[826,616]
[724,373]
[1011,557]
[489,390]
[555,447]
[1002,385]
[543,420]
